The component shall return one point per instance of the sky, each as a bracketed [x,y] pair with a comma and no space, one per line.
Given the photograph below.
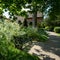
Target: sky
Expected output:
[6,13]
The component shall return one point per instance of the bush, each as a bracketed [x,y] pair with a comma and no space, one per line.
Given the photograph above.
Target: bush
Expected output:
[43,24]
[7,47]
[30,34]
[49,28]
[57,29]
[50,24]
[35,34]
[8,31]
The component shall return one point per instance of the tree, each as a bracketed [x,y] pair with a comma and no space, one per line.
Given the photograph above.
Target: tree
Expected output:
[52,8]
[15,6]
[34,6]
[47,6]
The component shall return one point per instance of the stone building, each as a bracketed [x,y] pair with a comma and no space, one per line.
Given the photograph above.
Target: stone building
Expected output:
[30,19]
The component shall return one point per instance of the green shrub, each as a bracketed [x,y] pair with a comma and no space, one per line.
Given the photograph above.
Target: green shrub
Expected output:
[30,34]
[43,24]
[35,34]
[49,28]
[8,31]
[57,22]
[57,29]
[7,47]
[39,25]
[50,24]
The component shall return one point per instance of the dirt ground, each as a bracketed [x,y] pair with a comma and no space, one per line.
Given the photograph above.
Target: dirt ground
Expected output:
[49,50]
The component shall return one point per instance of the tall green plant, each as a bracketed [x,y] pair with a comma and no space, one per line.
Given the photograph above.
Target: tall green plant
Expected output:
[30,34]
[7,47]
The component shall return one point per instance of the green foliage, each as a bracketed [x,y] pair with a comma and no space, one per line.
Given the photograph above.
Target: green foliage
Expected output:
[30,34]
[49,28]
[15,6]
[43,24]
[50,24]
[9,31]
[57,29]
[39,25]
[47,7]
[53,8]
[1,10]
[57,22]
[36,34]
[7,47]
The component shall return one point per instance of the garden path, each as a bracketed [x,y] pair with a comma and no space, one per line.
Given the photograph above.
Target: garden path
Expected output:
[49,50]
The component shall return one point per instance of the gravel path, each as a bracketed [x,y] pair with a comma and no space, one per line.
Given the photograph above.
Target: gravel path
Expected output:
[49,50]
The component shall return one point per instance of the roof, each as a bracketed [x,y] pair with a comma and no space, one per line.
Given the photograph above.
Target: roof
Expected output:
[39,14]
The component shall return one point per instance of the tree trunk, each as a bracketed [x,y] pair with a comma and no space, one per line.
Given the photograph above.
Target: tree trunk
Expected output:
[35,19]
[35,16]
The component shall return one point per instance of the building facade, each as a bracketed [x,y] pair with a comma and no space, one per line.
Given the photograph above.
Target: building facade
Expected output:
[30,18]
